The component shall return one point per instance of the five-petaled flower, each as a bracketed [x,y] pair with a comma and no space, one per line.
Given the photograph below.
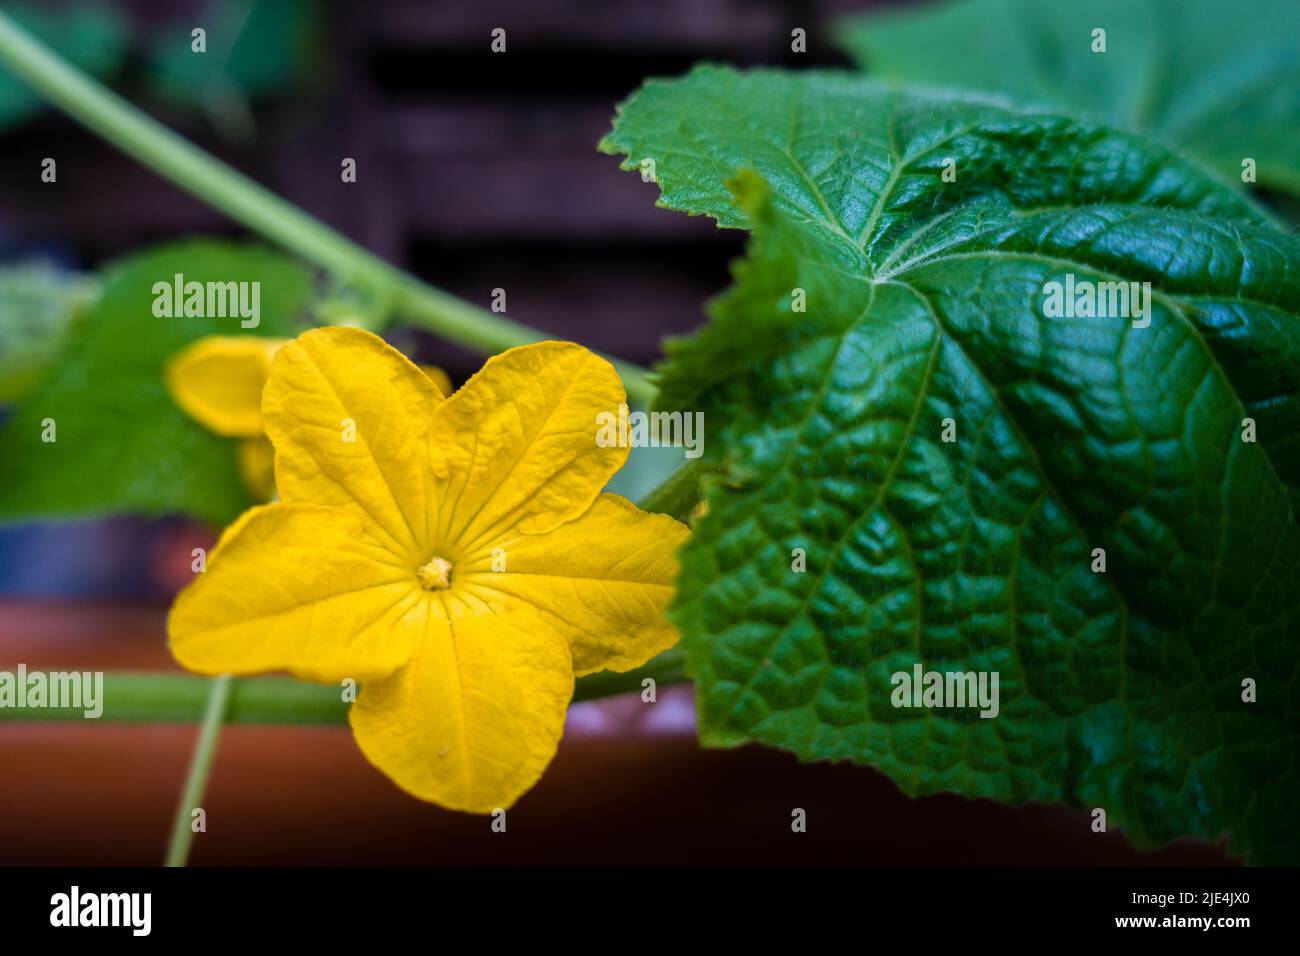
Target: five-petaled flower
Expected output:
[457,557]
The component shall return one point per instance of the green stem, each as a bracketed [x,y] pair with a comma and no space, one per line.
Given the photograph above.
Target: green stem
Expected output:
[215,183]
[178,850]
[678,494]
[186,698]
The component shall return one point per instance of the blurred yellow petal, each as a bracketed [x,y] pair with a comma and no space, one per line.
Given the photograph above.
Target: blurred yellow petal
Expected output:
[603,580]
[516,445]
[472,721]
[698,513]
[257,466]
[349,417]
[302,589]
[218,382]
[439,378]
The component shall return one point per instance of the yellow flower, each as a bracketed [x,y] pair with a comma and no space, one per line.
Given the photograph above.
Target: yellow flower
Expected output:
[456,556]
[218,382]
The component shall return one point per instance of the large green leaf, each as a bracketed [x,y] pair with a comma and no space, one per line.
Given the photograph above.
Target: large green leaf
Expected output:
[1219,82]
[122,445]
[1120,690]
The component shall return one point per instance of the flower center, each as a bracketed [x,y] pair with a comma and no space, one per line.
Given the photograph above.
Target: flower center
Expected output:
[436,575]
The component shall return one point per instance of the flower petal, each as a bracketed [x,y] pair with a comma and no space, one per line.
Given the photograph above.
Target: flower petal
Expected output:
[218,382]
[302,589]
[257,467]
[349,418]
[475,717]
[516,446]
[439,377]
[603,580]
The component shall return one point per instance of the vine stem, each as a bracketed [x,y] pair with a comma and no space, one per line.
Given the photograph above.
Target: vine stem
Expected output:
[220,186]
[678,494]
[196,782]
[171,698]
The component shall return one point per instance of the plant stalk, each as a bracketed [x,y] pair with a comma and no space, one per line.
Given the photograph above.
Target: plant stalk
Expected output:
[196,782]
[185,698]
[676,495]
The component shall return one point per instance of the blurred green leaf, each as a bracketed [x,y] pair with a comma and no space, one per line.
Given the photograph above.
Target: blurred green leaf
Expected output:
[39,307]
[254,47]
[92,36]
[122,445]
[1220,84]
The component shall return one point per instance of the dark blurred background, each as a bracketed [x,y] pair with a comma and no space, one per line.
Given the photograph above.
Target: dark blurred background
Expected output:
[476,171]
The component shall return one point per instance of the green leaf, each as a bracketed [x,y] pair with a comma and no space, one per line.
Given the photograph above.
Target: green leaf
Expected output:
[121,444]
[39,309]
[92,36]
[825,432]
[253,48]
[1223,85]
